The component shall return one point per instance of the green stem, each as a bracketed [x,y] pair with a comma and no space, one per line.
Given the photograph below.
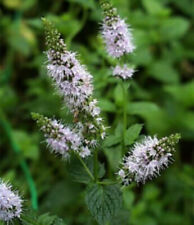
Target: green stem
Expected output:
[85,167]
[108,183]
[124,116]
[23,164]
[96,164]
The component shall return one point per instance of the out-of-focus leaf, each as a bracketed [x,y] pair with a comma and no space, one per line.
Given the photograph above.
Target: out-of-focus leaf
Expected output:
[12,4]
[163,71]
[27,143]
[182,93]
[128,199]
[142,108]
[106,105]
[173,28]
[87,4]
[155,7]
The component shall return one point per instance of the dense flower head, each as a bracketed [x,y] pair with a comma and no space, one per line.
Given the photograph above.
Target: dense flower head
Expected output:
[116,33]
[123,72]
[63,140]
[10,203]
[147,158]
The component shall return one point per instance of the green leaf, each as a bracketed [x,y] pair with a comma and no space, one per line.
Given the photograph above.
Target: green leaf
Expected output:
[173,28]
[132,133]
[87,4]
[77,171]
[163,71]
[103,202]
[142,108]
[112,140]
[155,7]
[31,218]
[27,143]
[106,105]
[182,93]
[79,174]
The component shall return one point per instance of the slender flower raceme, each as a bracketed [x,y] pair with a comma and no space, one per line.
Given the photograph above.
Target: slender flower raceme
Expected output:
[116,33]
[62,140]
[10,203]
[123,72]
[73,81]
[147,158]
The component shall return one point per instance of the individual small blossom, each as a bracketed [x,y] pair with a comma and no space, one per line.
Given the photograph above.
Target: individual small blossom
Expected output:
[10,203]
[123,72]
[116,33]
[147,158]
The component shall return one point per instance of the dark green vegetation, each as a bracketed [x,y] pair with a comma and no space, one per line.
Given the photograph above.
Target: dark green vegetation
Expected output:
[161,97]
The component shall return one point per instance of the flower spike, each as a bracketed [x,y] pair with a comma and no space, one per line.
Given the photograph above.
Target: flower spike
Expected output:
[147,158]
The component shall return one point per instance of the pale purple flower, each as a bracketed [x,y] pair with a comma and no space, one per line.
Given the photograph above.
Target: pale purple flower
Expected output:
[147,158]
[10,203]
[74,83]
[62,140]
[123,72]
[72,79]
[117,37]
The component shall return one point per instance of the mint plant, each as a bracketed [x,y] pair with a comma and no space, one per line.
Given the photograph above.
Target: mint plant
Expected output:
[83,138]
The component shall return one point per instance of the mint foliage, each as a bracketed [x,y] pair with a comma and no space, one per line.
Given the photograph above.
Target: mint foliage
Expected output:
[103,202]
[45,219]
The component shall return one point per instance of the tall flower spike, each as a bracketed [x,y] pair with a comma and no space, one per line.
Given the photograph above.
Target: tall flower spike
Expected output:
[62,140]
[147,158]
[116,33]
[10,203]
[73,82]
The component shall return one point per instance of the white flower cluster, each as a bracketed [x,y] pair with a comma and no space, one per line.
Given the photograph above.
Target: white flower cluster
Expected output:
[10,203]
[71,78]
[147,158]
[123,72]
[63,140]
[117,36]
[74,83]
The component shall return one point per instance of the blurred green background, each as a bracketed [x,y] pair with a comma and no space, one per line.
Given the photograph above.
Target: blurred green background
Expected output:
[161,97]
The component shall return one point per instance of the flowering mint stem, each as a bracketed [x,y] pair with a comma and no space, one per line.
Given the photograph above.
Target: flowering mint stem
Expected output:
[124,116]
[85,167]
[23,163]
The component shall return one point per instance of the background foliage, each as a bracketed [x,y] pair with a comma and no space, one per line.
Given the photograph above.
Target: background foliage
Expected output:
[161,101]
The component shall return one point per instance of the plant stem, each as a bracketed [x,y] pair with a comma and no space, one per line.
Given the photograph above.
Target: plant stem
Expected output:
[85,167]
[124,116]
[108,183]
[23,164]
[96,164]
